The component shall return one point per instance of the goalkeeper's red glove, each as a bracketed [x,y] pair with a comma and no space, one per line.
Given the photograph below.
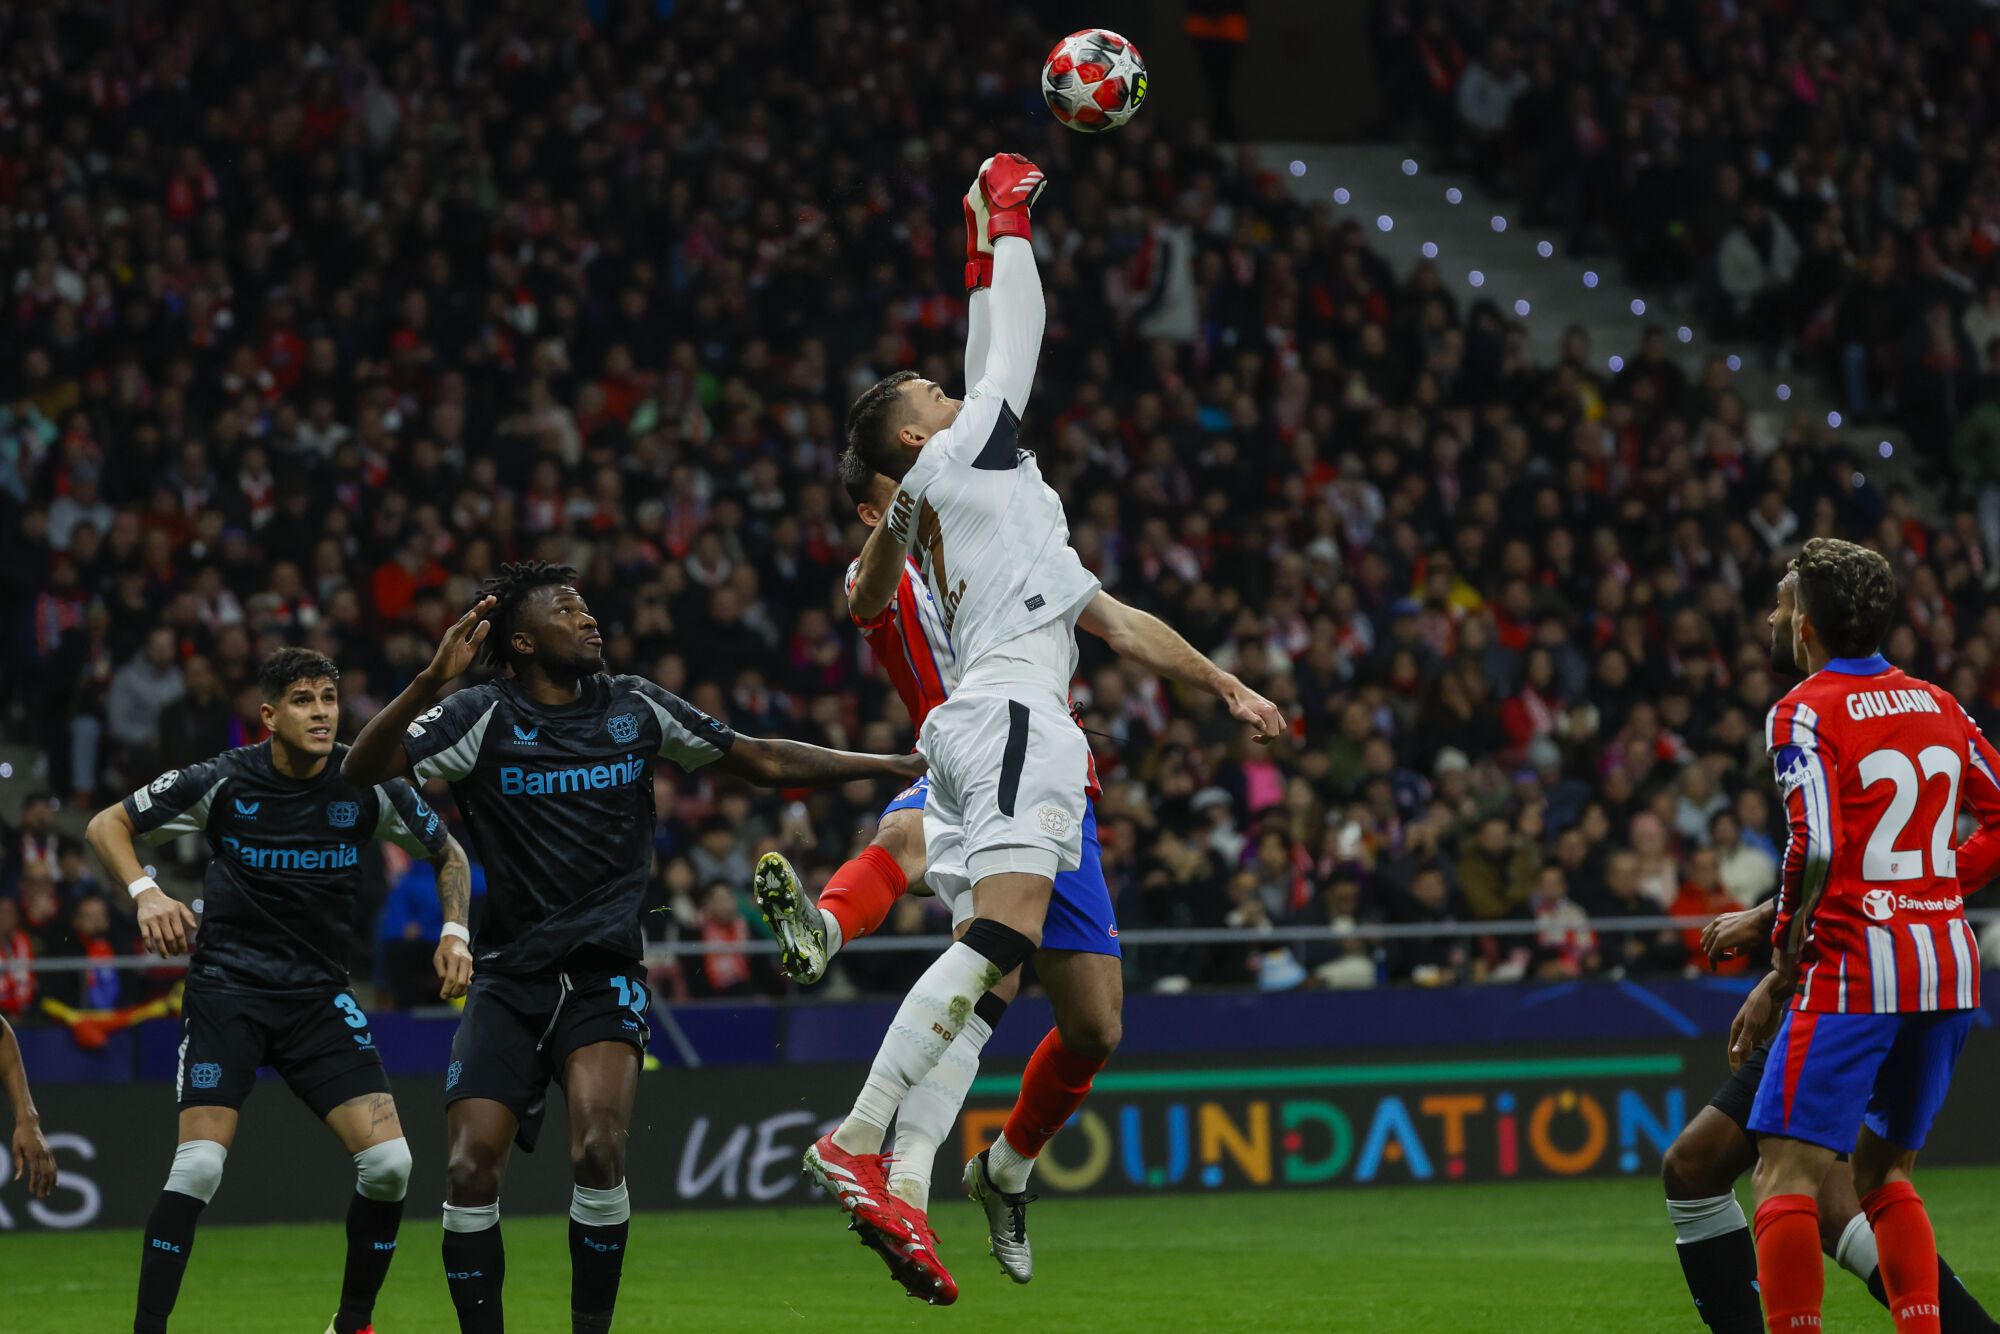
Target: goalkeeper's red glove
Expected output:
[1008,186]
[978,250]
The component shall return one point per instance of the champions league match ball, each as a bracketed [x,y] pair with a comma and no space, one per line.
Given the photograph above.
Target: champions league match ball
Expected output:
[1094,80]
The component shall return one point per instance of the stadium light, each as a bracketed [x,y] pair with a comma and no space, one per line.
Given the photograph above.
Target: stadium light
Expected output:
[1685,334]
[1638,306]
[1521,307]
[1886,450]
[1833,420]
[1859,481]
[1409,166]
[1298,167]
[1385,223]
[1499,223]
[1544,249]
[1340,195]
[1616,363]
[1430,250]
[1453,195]
[1590,277]
[1476,278]
[1734,362]
[1784,393]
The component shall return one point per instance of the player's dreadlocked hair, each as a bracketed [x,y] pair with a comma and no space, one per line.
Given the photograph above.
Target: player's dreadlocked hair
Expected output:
[1848,593]
[874,420]
[510,589]
[288,666]
[856,477]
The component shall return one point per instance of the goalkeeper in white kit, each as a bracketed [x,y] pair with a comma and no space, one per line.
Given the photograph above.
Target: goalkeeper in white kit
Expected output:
[1009,768]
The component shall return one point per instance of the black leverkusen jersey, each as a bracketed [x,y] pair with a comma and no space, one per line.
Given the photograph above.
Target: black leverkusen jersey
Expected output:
[285,862]
[559,802]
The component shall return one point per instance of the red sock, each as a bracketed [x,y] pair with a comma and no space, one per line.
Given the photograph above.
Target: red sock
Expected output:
[1908,1252]
[1053,1086]
[1790,1272]
[861,893]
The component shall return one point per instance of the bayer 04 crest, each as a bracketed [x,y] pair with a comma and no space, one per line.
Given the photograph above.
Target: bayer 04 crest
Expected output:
[343,814]
[624,728]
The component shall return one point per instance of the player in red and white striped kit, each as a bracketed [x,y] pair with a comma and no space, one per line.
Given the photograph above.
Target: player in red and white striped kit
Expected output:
[1872,947]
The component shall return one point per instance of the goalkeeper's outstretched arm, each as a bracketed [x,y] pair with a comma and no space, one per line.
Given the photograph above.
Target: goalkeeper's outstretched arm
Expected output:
[1018,315]
[1005,312]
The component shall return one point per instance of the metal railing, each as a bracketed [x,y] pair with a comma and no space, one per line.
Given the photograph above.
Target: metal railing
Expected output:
[665,951]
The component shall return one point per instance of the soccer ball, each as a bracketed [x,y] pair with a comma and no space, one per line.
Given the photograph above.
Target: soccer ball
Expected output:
[1094,80]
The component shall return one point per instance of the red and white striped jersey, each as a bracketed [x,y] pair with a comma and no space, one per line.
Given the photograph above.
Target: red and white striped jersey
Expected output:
[908,638]
[1874,766]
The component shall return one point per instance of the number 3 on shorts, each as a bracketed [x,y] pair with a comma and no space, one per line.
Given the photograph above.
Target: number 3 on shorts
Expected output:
[350,1011]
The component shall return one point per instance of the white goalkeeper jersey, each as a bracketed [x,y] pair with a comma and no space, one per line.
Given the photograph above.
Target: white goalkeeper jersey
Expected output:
[989,534]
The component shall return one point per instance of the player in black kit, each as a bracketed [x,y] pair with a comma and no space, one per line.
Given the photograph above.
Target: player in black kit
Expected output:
[267,984]
[552,766]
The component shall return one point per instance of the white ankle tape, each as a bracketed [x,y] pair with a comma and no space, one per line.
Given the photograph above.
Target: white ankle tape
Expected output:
[600,1207]
[197,1169]
[1698,1220]
[471,1217]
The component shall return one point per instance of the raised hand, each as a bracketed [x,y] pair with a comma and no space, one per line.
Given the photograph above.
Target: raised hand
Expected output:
[461,643]
[1008,185]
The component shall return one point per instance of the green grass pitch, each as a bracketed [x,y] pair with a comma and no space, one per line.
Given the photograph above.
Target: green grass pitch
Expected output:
[1578,1256]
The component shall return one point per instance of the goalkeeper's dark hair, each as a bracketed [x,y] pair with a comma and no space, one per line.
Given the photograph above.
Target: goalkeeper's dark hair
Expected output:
[510,590]
[874,420]
[856,477]
[288,666]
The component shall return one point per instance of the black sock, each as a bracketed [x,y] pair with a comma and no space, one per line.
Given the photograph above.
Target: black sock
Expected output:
[596,1259]
[371,1245]
[1959,1312]
[169,1238]
[474,1264]
[1722,1275]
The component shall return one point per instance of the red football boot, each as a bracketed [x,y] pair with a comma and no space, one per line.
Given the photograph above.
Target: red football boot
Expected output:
[881,1222]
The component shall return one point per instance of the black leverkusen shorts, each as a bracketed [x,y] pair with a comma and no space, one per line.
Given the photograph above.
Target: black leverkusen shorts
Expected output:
[320,1045]
[518,1033]
[1739,1091]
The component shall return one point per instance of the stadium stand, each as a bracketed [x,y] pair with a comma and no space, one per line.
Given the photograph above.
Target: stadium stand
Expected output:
[1810,176]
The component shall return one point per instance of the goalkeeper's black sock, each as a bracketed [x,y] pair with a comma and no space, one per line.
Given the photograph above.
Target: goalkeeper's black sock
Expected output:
[169,1239]
[474,1265]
